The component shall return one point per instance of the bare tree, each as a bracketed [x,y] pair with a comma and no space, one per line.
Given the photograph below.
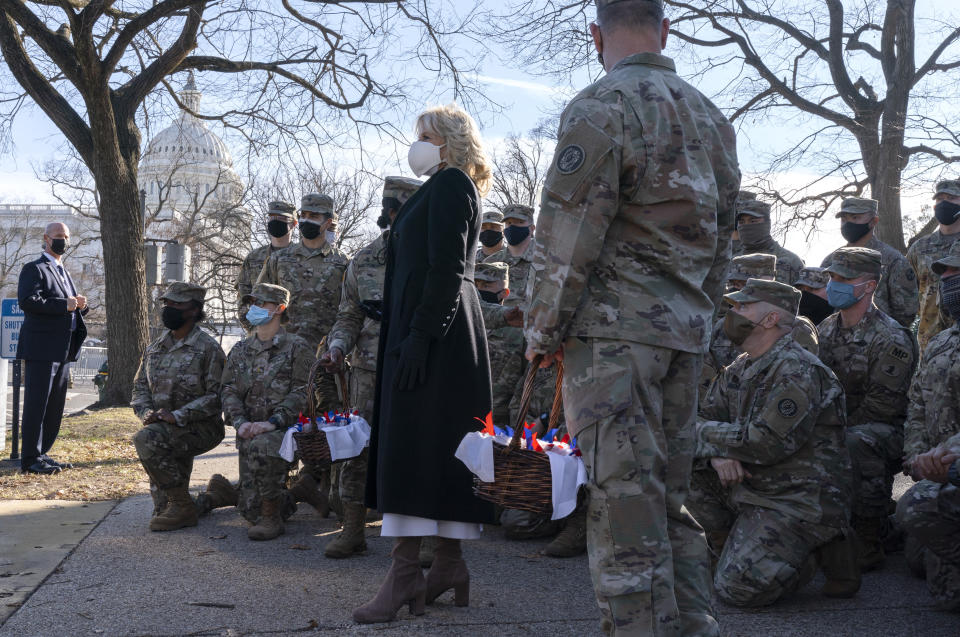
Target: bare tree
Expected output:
[520,167]
[868,79]
[290,78]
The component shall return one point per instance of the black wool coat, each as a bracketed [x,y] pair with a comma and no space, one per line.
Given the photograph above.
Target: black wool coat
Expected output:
[428,286]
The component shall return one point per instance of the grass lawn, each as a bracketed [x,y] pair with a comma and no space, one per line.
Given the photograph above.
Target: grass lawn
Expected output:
[99,444]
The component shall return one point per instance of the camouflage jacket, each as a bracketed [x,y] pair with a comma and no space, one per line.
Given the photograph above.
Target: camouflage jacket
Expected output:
[249,272]
[519,273]
[182,376]
[897,294]
[633,237]
[354,332]
[505,345]
[314,279]
[788,263]
[264,379]
[934,412]
[782,415]
[874,360]
[921,256]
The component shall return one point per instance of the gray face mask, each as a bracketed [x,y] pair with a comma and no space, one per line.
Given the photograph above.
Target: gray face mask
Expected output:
[754,234]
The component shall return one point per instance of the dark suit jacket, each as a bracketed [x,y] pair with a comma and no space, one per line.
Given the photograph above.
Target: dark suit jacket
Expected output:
[46,333]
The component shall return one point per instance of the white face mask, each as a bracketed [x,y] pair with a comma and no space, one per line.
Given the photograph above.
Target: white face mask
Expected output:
[424,158]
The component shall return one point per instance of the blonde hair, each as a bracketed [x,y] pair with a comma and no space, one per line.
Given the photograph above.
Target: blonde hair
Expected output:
[464,146]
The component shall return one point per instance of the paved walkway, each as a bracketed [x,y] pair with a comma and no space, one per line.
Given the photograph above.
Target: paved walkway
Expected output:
[211,580]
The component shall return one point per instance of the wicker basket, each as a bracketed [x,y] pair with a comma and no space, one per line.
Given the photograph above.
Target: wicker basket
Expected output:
[522,478]
[312,445]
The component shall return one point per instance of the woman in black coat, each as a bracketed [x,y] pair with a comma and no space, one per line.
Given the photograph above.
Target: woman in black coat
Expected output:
[433,374]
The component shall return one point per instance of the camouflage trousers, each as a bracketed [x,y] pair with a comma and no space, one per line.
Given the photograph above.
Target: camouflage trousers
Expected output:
[350,476]
[930,515]
[632,409]
[263,475]
[167,451]
[765,550]
[876,451]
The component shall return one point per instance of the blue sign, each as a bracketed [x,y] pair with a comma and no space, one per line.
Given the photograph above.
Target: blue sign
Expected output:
[11,320]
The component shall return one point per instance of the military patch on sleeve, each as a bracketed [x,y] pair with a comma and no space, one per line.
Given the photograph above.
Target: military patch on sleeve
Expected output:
[787,407]
[570,159]
[899,353]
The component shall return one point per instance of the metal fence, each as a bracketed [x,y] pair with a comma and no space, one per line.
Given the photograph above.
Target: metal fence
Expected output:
[91,358]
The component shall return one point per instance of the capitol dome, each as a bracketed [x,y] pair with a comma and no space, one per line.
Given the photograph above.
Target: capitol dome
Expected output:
[187,166]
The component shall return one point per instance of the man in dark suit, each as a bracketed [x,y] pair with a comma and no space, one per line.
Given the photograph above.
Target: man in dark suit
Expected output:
[50,339]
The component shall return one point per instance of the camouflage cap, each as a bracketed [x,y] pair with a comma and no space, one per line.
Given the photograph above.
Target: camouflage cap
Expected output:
[752,266]
[518,211]
[813,277]
[853,263]
[952,260]
[268,293]
[493,216]
[773,292]
[754,208]
[181,292]
[400,188]
[494,271]
[317,202]
[948,187]
[858,206]
[283,209]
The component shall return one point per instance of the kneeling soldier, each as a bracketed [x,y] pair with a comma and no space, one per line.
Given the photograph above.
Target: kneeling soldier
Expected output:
[177,395]
[771,484]
[264,392]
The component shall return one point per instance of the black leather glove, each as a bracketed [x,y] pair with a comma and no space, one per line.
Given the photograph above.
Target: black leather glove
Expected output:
[412,368]
[373,309]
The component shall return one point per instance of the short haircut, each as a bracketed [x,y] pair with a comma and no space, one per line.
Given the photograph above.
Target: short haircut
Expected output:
[633,15]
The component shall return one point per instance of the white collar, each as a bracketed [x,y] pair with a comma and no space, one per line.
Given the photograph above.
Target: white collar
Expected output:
[52,259]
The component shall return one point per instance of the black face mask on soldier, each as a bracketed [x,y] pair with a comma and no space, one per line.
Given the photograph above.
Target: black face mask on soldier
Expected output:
[516,235]
[490,238]
[310,229]
[277,228]
[853,232]
[946,212]
[813,307]
[489,297]
[172,317]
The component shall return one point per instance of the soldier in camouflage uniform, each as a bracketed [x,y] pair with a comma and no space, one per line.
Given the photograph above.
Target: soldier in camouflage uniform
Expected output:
[874,357]
[929,512]
[264,392]
[930,248]
[897,296]
[753,226]
[491,235]
[772,480]
[505,343]
[518,253]
[357,332]
[737,245]
[312,270]
[281,220]
[176,393]
[632,245]
[812,284]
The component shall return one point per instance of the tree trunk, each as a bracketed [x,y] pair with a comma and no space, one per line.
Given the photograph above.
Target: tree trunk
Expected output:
[886,190]
[121,229]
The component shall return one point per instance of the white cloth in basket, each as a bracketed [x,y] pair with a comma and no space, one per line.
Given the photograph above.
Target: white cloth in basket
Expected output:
[567,472]
[345,441]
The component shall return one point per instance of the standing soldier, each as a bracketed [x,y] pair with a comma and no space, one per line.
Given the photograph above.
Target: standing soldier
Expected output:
[753,226]
[491,235]
[264,391]
[897,295]
[357,333]
[176,394]
[518,255]
[930,248]
[632,246]
[281,219]
[505,343]
[312,270]
[874,357]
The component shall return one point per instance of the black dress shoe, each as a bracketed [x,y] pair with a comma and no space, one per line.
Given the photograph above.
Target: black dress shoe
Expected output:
[41,467]
[53,463]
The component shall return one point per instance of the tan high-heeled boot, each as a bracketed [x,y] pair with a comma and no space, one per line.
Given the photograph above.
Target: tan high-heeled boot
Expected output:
[448,571]
[404,584]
